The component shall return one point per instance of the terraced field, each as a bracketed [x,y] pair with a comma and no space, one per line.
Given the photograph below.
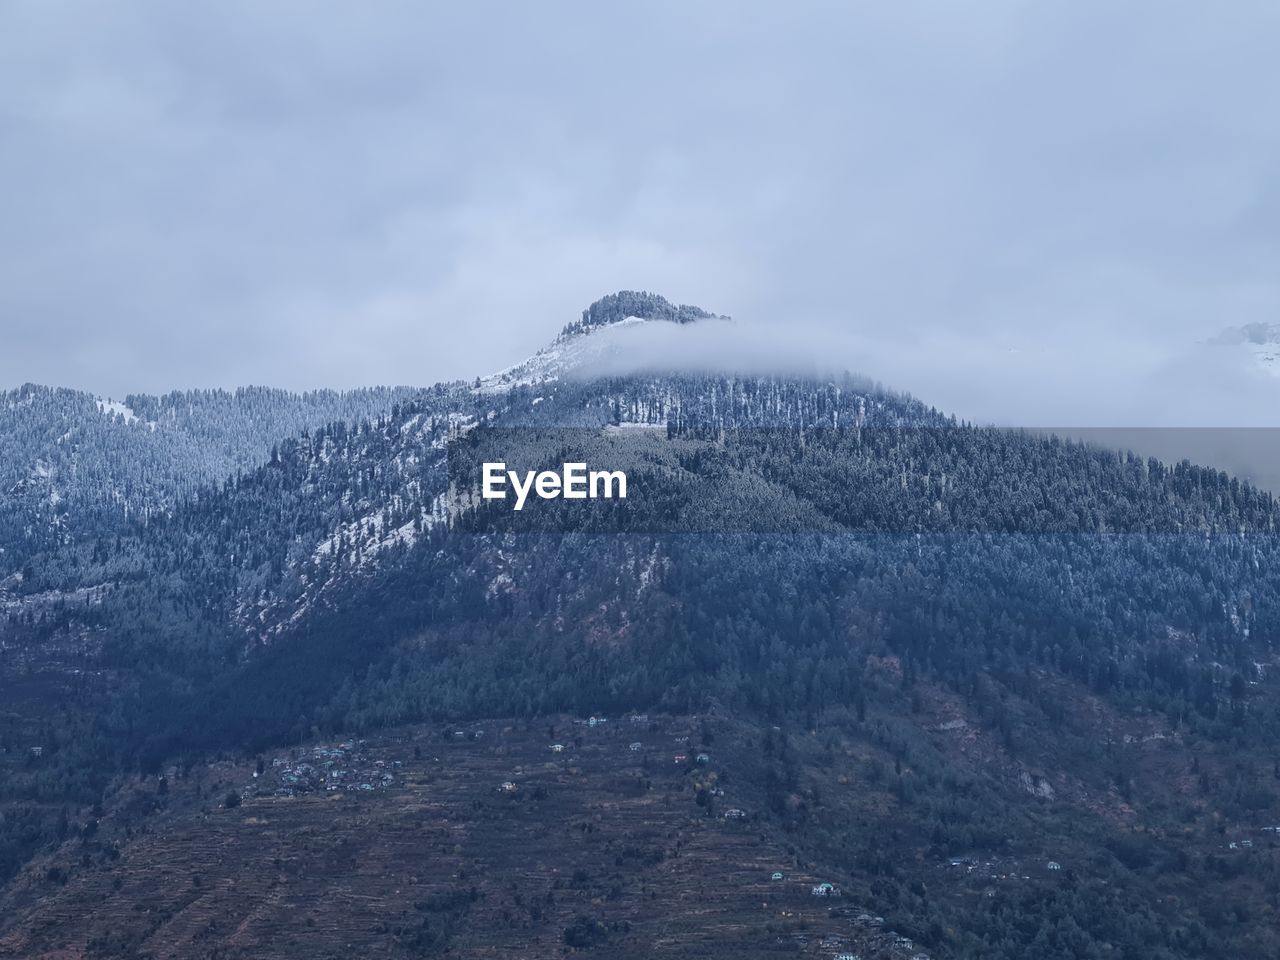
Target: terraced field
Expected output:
[481,841]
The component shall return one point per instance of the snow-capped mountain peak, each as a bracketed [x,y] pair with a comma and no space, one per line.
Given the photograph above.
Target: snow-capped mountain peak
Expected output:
[601,333]
[1260,340]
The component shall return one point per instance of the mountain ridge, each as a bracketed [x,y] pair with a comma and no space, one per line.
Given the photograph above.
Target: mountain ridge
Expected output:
[640,304]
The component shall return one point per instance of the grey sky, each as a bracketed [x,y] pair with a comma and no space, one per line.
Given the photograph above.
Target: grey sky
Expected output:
[1013,210]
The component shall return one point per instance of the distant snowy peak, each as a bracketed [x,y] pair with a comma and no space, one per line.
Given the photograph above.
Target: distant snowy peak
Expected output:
[591,341]
[1261,340]
[1255,333]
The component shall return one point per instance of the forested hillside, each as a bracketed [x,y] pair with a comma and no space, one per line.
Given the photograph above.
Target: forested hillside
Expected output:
[72,465]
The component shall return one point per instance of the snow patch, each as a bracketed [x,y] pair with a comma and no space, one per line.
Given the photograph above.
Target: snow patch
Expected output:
[634,426]
[112,408]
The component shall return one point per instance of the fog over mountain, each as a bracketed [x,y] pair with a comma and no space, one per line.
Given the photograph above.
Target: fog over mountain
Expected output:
[1202,385]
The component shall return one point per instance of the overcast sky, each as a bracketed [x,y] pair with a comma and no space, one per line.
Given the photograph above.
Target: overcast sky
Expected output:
[1018,211]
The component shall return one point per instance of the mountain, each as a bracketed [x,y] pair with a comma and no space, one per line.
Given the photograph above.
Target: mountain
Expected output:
[1010,695]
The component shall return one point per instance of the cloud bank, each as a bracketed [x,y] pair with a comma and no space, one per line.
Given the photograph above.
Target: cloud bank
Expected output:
[1015,211]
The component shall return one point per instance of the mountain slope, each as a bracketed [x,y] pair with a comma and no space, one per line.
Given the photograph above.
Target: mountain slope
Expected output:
[73,465]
